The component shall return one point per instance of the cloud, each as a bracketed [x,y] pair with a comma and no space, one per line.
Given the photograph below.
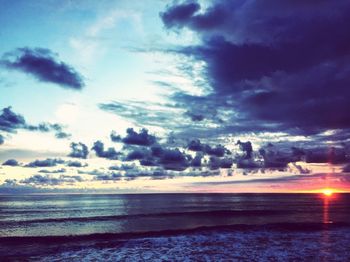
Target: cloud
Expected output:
[157,156]
[11,162]
[78,150]
[146,113]
[218,150]
[248,164]
[110,153]
[273,158]
[197,146]
[197,160]
[195,117]
[49,180]
[157,150]
[49,162]
[75,164]
[108,177]
[267,157]
[154,173]
[148,161]
[137,154]
[174,159]
[115,137]
[123,167]
[301,170]
[47,127]
[142,139]
[10,122]
[99,175]
[179,15]
[296,179]
[57,171]
[247,148]
[216,163]
[277,65]
[346,168]
[2,140]
[43,64]
[326,155]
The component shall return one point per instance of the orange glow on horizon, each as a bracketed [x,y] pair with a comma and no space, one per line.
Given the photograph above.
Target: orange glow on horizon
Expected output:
[328,191]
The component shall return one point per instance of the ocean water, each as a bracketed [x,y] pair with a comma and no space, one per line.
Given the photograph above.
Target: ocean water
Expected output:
[175,227]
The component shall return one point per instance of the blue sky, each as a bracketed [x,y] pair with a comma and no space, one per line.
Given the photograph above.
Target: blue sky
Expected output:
[220,89]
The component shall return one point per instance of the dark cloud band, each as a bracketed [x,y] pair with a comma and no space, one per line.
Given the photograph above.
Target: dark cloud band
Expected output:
[42,64]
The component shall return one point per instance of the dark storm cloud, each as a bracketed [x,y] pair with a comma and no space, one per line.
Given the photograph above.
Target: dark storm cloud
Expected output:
[2,140]
[283,156]
[11,162]
[137,154]
[197,160]
[346,168]
[49,162]
[167,158]
[267,157]
[218,150]
[148,161]
[143,138]
[158,156]
[248,164]
[274,158]
[174,159]
[247,148]
[110,153]
[179,15]
[44,66]
[78,150]
[156,150]
[281,65]
[216,163]
[330,155]
[11,122]
[195,145]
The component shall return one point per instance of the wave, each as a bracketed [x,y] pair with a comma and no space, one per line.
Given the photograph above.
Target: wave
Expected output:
[303,227]
[216,213]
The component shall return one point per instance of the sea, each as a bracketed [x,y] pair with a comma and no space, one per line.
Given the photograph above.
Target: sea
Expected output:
[175,227]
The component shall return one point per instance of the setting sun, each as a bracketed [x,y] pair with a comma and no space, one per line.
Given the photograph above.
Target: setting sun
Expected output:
[328,191]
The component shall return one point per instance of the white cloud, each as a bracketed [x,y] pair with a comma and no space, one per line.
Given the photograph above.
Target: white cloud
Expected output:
[93,44]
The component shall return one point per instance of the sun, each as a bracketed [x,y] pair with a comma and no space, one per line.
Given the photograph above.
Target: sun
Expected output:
[328,191]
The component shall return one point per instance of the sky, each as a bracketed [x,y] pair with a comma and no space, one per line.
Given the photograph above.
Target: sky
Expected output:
[174,96]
